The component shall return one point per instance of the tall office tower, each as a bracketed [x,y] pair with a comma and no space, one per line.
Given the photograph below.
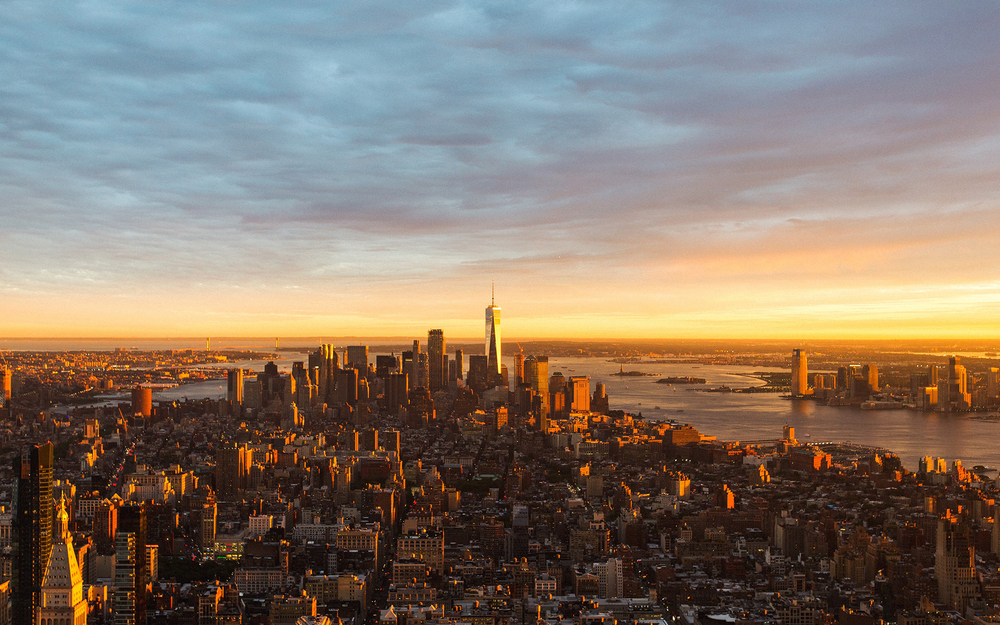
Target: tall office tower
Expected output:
[476,377]
[955,564]
[389,440]
[357,357]
[953,392]
[31,529]
[423,370]
[252,396]
[386,365]
[415,381]
[599,401]
[328,362]
[800,373]
[62,585]
[347,386]
[142,400]
[518,369]
[993,384]
[493,354]
[557,383]
[206,514]
[105,525]
[437,360]
[459,367]
[6,385]
[129,603]
[578,393]
[870,373]
[843,378]
[234,385]
[396,392]
[536,375]
[406,368]
[232,465]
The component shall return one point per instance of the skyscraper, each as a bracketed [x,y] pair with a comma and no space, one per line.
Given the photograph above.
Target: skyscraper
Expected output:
[493,339]
[459,371]
[232,465]
[953,392]
[800,373]
[357,357]
[6,385]
[129,602]
[31,530]
[326,360]
[437,360]
[234,385]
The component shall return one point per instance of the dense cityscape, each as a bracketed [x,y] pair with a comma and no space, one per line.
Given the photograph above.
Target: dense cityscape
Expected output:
[376,488]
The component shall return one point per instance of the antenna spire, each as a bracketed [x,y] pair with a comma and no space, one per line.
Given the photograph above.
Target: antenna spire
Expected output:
[493,293]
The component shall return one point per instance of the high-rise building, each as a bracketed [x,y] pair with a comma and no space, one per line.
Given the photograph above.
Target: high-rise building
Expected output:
[437,360]
[129,602]
[423,370]
[6,385]
[62,598]
[386,365]
[459,371]
[407,369]
[357,357]
[234,385]
[232,465]
[870,373]
[478,373]
[955,564]
[578,391]
[416,379]
[31,530]
[326,360]
[536,376]
[800,373]
[953,392]
[493,352]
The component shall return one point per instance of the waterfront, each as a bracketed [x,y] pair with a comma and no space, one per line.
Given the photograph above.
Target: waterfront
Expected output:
[741,416]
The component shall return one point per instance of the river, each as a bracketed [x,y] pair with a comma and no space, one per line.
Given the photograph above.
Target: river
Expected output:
[742,416]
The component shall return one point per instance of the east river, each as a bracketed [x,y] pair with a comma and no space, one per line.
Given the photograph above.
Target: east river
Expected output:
[746,416]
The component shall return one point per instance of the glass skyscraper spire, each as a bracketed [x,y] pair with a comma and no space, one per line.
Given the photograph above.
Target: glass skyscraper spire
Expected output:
[493,337]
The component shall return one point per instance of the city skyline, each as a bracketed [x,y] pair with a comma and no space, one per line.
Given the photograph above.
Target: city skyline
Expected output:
[675,171]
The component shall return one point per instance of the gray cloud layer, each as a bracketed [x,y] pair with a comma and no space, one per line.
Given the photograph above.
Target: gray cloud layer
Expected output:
[321,144]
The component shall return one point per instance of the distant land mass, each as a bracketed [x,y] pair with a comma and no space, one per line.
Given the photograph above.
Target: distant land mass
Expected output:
[681,380]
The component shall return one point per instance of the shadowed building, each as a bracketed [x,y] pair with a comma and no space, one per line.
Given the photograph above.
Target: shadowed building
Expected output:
[437,360]
[129,602]
[31,533]
[234,386]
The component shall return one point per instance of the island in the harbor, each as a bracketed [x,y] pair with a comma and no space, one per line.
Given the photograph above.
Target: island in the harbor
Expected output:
[681,380]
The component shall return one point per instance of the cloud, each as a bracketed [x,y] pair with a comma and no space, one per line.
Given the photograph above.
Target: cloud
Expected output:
[225,148]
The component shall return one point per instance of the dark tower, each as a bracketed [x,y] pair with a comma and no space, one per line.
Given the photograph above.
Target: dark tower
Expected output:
[130,565]
[31,533]
[437,359]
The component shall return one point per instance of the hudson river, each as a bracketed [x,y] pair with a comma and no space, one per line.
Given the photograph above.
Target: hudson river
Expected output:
[748,416]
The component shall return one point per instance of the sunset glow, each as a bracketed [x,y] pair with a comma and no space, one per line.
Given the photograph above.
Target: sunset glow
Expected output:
[815,171]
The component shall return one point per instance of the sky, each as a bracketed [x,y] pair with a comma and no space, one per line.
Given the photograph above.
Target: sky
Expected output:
[619,169]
